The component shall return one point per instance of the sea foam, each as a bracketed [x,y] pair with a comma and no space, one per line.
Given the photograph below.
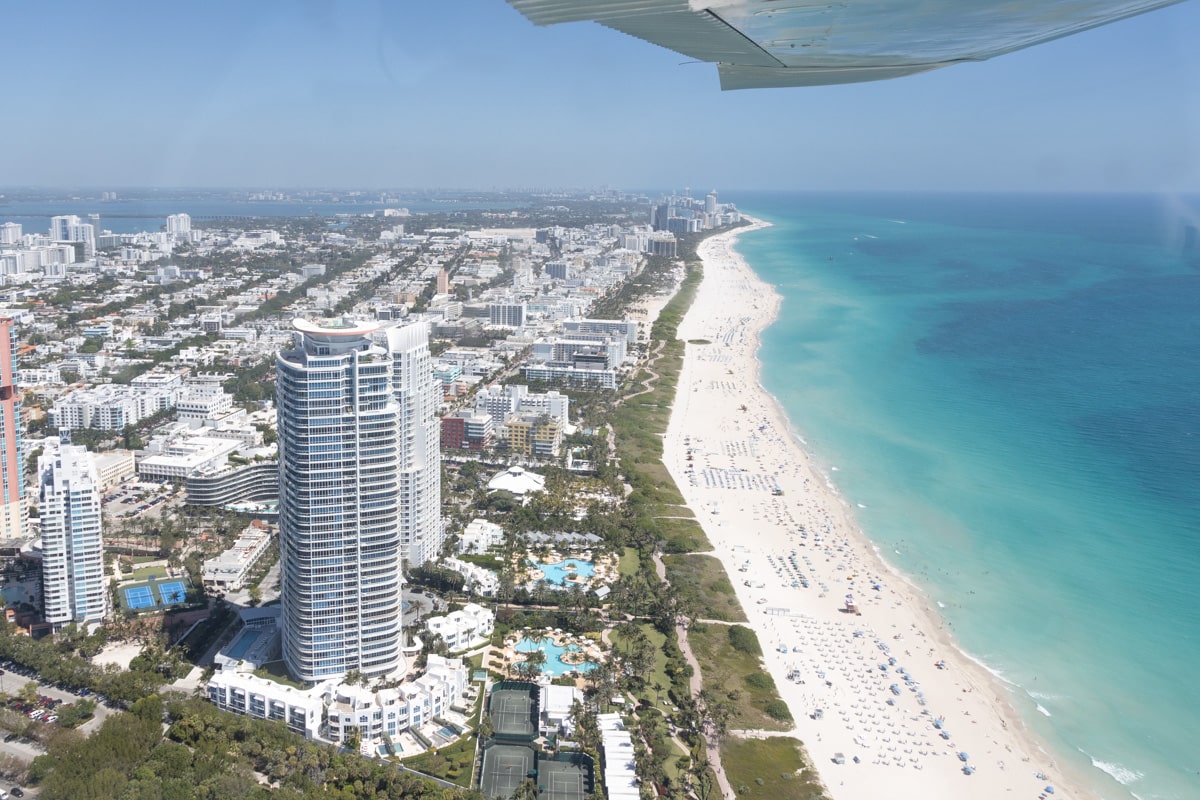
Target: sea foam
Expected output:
[1123,775]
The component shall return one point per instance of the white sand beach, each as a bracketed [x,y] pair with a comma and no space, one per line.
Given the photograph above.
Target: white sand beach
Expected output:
[895,696]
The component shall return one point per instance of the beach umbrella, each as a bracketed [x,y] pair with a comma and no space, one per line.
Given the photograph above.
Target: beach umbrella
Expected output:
[1049,790]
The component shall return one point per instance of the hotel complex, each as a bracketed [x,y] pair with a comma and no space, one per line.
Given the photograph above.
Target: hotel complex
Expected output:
[359,488]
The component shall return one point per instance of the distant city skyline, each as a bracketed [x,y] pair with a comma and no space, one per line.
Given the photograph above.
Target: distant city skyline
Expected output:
[471,95]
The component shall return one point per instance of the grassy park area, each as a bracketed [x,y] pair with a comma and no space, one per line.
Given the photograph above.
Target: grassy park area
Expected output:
[770,769]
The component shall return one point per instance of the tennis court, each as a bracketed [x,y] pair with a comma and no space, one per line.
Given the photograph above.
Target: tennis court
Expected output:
[172,592]
[513,713]
[138,597]
[567,779]
[505,766]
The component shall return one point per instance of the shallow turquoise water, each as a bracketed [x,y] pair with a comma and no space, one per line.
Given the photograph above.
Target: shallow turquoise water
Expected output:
[558,573]
[554,665]
[1010,388]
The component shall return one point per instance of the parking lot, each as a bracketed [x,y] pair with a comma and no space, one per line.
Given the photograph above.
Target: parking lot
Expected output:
[14,679]
[134,499]
[43,708]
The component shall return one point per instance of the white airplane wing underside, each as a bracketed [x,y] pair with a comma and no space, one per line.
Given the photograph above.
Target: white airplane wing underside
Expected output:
[765,43]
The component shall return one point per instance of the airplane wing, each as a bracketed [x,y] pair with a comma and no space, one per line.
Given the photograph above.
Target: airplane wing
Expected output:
[768,43]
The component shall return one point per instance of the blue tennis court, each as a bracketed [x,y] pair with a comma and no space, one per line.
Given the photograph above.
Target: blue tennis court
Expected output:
[172,592]
[139,597]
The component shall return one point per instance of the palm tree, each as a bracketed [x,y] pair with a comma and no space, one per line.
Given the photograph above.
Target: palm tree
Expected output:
[531,667]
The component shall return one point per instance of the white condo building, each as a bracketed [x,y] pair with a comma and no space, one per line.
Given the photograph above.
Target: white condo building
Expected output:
[70,228]
[422,530]
[359,489]
[499,402]
[179,225]
[72,545]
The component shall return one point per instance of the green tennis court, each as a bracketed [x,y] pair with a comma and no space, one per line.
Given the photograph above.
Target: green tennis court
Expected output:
[512,712]
[505,767]
[563,780]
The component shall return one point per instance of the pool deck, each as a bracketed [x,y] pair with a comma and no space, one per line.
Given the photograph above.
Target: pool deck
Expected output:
[604,569]
[503,657]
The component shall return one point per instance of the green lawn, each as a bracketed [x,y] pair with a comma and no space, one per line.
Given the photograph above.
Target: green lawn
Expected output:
[658,676]
[770,769]
[736,675]
[143,574]
[670,766]
[703,581]
[455,763]
[675,511]
[631,562]
[682,535]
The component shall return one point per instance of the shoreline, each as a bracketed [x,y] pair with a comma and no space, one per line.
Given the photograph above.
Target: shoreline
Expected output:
[888,682]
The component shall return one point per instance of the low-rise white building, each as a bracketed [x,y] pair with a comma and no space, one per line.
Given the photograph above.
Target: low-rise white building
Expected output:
[110,406]
[252,240]
[480,536]
[556,703]
[228,571]
[203,403]
[571,373]
[478,579]
[518,481]
[113,467]
[608,327]
[180,457]
[331,711]
[389,712]
[243,693]
[471,626]
[620,770]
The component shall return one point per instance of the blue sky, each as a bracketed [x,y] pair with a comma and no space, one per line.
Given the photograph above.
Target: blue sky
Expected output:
[469,94]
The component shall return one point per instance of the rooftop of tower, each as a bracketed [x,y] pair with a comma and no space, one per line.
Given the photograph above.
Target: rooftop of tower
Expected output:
[335,327]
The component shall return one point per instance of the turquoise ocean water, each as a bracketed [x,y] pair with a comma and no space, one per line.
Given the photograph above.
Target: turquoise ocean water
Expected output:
[1007,389]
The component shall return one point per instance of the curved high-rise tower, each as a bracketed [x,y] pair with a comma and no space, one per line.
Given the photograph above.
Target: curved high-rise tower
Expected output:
[339,503]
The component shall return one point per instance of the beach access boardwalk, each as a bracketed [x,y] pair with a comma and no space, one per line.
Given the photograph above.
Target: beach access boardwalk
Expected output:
[695,685]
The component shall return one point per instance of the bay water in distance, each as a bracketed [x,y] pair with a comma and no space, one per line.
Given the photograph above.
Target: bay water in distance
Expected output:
[149,213]
[1006,388]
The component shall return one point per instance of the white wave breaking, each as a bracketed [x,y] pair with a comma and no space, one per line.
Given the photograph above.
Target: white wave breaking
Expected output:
[1122,775]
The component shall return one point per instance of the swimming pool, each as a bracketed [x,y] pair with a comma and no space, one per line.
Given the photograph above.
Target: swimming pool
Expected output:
[554,665]
[558,573]
[244,643]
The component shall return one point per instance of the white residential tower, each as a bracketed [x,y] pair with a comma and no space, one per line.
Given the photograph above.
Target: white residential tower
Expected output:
[73,581]
[359,490]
